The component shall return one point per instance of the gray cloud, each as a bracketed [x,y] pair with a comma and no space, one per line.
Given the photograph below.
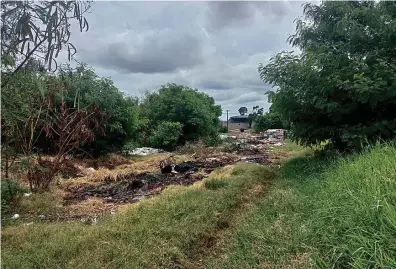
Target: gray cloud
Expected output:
[215,46]
[225,14]
[214,85]
[222,14]
[150,55]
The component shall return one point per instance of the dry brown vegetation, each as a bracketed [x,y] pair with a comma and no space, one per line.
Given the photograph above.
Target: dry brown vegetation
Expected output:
[86,188]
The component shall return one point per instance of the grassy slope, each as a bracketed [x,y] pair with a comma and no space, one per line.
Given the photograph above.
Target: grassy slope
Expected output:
[168,230]
[324,214]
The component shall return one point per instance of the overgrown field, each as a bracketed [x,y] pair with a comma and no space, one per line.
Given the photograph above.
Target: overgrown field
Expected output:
[315,213]
[323,213]
[168,230]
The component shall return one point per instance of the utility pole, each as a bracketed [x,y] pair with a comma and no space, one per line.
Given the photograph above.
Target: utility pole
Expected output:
[227,120]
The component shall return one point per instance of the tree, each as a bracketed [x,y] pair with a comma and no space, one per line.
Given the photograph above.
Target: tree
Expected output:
[268,121]
[256,111]
[34,107]
[195,111]
[243,110]
[86,88]
[342,87]
[166,135]
[38,29]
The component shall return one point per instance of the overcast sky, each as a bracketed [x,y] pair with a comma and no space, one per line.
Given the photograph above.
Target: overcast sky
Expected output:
[213,46]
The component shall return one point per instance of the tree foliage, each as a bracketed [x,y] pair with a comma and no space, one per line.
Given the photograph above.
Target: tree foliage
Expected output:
[268,121]
[86,88]
[243,110]
[33,109]
[256,111]
[195,111]
[68,112]
[166,135]
[343,84]
[38,29]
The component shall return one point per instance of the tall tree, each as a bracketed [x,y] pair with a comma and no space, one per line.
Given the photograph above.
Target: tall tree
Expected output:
[342,86]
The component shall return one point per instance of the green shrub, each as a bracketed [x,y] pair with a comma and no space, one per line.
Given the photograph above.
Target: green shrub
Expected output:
[223,129]
[87,88]
[212,140]
[268,121]
[129,146]
[10,189]
[166,135]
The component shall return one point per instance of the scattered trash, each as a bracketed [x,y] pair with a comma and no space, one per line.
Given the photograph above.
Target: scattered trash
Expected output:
[41,216]
[185,167]
[167,166]
[145,151]
[274,133]
[131,185]
[28,224]
[223,136]
[16,216]
[90,220]
[27,194]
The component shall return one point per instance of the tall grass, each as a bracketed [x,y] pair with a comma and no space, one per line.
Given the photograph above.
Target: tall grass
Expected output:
[164,232]
[323,213]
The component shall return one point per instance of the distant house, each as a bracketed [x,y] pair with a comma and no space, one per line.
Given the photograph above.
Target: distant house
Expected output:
[238,122]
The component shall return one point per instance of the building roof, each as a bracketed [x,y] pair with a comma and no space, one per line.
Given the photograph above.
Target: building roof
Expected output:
[239,117]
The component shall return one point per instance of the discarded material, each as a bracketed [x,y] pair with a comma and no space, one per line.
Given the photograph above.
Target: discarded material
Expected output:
[145,151]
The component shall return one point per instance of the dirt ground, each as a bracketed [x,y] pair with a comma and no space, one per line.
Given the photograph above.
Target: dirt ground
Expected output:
[91,188]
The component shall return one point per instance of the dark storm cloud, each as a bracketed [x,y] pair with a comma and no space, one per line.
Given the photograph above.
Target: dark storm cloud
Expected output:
[224,14]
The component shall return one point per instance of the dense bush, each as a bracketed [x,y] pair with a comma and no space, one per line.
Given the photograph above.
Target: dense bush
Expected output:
[166,135]
[195,111]
[10,189]
[223,129]
[342,86]
[86,88]
[268,121]
[34,91]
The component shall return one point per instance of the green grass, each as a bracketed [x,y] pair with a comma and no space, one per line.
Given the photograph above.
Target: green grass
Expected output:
[321,213]
[338,213]
[168,231]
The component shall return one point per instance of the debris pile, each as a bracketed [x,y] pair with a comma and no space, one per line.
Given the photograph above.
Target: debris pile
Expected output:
[274,133]
[145,151]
